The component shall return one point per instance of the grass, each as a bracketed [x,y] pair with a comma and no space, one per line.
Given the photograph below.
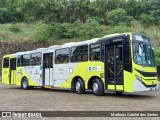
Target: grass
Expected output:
[18,32]
[26,32]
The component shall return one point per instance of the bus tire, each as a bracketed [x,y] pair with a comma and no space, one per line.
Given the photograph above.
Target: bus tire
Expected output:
[80,86]
[98,87]
[25,84]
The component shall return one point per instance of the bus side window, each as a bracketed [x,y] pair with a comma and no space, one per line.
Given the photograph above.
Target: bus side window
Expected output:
[79,53]
[25,60]
[62,56]
[36,59]
[95,52]
[6,62]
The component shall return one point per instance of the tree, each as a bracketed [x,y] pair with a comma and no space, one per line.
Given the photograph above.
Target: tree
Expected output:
[90,29]
[118,16]
[155,9]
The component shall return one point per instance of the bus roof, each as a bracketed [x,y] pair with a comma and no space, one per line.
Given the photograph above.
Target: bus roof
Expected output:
[80,43]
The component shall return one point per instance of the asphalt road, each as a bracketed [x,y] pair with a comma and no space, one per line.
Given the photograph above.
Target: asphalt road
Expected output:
[12,98]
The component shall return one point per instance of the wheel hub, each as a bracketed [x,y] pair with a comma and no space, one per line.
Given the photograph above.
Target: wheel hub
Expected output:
[24,84]
[78,86]
[95,87]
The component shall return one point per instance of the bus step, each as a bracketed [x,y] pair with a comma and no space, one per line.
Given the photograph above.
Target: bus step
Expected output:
[114,91]
[47,86]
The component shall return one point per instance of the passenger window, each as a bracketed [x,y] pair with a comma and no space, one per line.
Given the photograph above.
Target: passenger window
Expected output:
[6,62]
[36,59]
[79,53]
[95,52]
[25,60]
[62,56]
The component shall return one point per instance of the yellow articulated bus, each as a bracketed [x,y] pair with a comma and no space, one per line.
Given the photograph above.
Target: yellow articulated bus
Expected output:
[115,63]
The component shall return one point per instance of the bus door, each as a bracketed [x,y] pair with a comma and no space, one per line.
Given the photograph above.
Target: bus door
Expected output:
[12,71]
[6,71]
[114,67]
[48,69]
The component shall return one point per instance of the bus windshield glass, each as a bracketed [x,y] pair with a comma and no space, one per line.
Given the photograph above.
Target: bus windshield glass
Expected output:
[143,54]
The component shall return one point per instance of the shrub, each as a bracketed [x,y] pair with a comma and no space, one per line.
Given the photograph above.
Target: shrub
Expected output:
[67,31]
[119,16]
[90,29]
[157,55]
[58,30]
[147,20]
[15,28]
[76,27]
[42,33]
[120,28]
[142,31]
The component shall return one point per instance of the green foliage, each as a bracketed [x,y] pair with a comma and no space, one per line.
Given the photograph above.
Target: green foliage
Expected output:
[90,29]
[15,28]
[76,27]
[143,32]
[67,31]
[119,16]
[55,30]
[58,30]
[157,55]
[42,33]
[3,12]
[120,29]
[155,9]
[147,20]
[69,11]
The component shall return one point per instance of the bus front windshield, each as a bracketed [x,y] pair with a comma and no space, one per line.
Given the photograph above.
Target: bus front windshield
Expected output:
[143,54]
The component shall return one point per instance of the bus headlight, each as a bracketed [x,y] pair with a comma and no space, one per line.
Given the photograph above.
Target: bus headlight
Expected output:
[139,78]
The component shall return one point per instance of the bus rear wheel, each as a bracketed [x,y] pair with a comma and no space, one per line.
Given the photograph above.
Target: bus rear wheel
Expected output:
[25,85]
[98,87]
[80,87]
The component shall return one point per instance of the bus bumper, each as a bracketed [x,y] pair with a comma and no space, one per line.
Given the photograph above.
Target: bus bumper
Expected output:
[139,86]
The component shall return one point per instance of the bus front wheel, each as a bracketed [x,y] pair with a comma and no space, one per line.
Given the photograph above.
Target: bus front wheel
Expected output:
[98,87]
[80,87]
[25,85]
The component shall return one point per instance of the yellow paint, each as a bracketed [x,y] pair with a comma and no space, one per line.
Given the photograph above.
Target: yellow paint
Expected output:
[6,71]
[13,77]
[128,81]
[118,87]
